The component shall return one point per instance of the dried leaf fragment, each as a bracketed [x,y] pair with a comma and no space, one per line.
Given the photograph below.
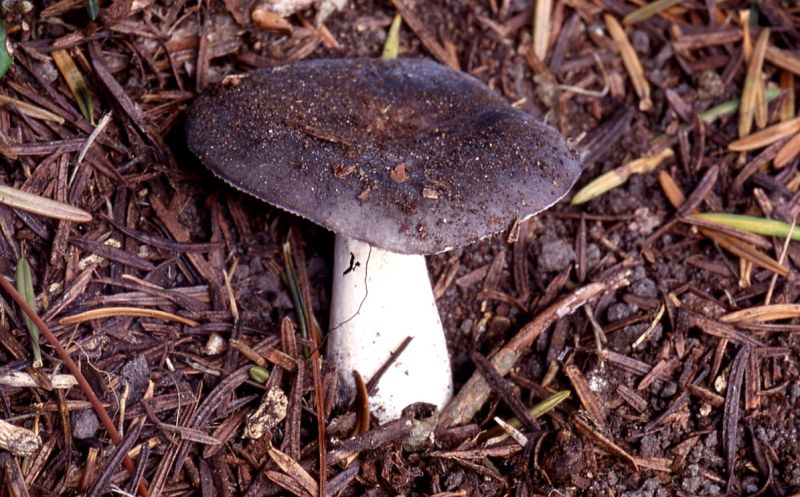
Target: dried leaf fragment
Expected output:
[298,475]
[25,288]
[783,59]
[745,250]
[270,412]
[30,110]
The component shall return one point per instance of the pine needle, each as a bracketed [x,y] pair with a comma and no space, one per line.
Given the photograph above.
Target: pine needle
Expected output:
[76,83]
[392,45]
[631,62]
[25,288]
[753,79]
[42,206]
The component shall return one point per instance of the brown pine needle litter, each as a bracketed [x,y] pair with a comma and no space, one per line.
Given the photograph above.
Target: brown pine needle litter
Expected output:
[745,250]
[76,83]
[760,314]
[783,59]
[541,27]
[766,136]
[42,206]
[752,84]
[671,189]
[111,312]
[703,240]
[788,103]
[788,152]
[31,110]
[631,61]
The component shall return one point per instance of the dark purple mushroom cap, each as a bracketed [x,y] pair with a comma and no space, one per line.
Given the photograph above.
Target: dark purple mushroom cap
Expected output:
[406,155]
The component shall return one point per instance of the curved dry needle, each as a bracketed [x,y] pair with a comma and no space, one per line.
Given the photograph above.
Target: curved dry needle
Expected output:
[42,206]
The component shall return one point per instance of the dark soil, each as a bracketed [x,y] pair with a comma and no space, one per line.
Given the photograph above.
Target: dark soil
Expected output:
[679,400]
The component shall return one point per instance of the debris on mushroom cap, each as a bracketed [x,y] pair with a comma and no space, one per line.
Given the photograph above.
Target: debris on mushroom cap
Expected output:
[312,137]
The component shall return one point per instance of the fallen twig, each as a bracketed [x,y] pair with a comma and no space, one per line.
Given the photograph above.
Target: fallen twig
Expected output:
[475,392]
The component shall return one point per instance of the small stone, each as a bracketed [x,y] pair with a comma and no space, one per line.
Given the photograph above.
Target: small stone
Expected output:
[84,424]
[136,373]
[555,255]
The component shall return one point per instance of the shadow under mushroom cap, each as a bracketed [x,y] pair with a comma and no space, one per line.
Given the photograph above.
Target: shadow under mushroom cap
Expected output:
[407,155]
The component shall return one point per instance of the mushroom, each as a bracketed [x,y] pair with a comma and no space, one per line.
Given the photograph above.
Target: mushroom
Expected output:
[399,158]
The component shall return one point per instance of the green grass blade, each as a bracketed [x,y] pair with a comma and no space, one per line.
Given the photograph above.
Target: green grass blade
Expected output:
[25,288]
[731,106]
[92,9]
[392,45]
[751,224]
[648,10]
[5,54]
[537,411]
[259,374]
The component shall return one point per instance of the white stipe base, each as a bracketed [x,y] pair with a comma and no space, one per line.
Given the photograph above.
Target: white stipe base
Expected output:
[368,322]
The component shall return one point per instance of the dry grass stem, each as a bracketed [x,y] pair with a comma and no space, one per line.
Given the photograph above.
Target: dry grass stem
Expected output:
[42,206]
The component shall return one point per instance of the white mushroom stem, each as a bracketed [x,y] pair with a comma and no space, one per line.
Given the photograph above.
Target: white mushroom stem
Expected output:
[379,299]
